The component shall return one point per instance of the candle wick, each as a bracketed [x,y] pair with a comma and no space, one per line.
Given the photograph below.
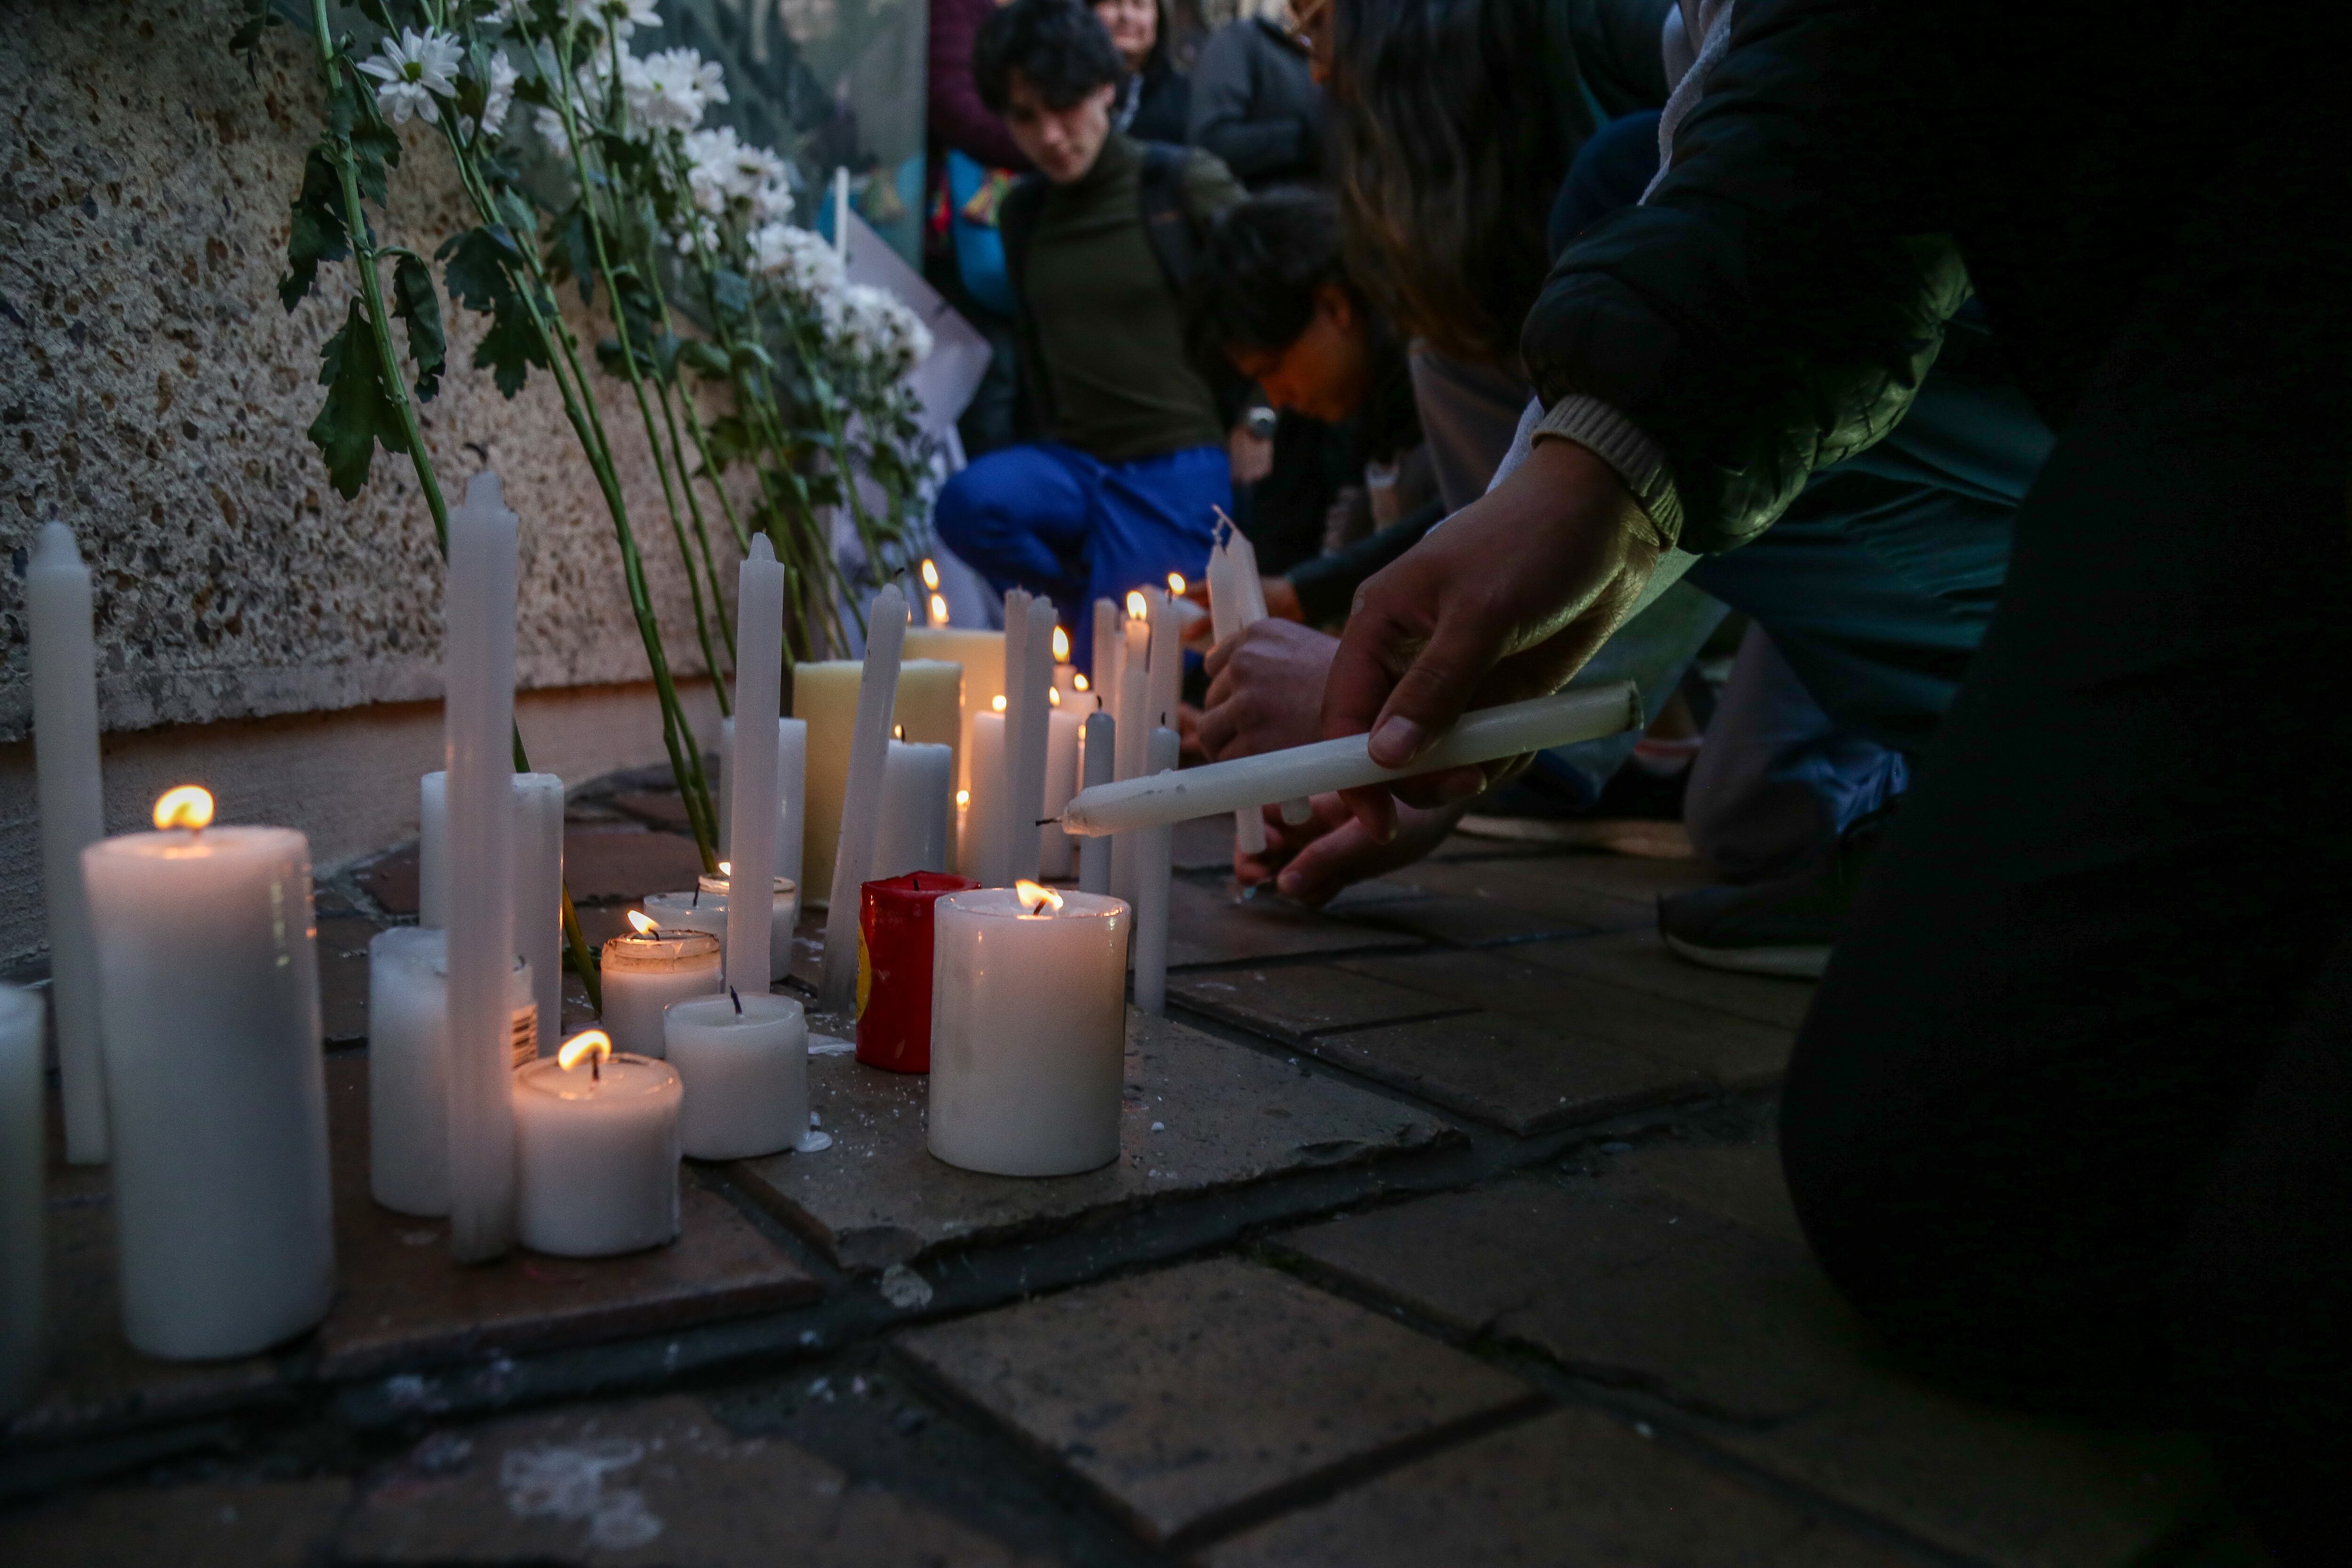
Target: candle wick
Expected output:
[595,1067]
[1047,821]
[736,1000]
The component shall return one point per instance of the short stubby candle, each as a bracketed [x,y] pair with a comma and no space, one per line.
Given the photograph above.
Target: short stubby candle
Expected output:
[644,972]
[705,909]
[408,1064]
[208,969]
[1028,1030]
[893,968]
[744,1062]
[596,1151]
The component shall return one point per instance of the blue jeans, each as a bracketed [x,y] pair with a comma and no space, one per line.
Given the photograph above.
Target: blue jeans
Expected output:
[1050,519]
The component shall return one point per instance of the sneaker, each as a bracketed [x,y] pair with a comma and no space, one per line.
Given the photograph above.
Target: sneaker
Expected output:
[1785,927]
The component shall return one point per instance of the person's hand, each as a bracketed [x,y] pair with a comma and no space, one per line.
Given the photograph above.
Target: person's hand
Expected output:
[1505,601]
[1314,860]
[1282,600]
[1265,689]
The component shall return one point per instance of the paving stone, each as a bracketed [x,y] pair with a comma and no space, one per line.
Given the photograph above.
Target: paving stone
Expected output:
[659,1482]
[1302,999]
[1461,921]
[1228,1116]
[1192,1397]
[1638,961]
[1523,1078]
[1732,1052]
[259,1524]
[1638,836]
[391,880]
[1741,1182]
[1529,884]
[1570,1486]
[1209,924]
[608,865]
[343,976]
[402,1304]
[1204,843]
[1634,1286]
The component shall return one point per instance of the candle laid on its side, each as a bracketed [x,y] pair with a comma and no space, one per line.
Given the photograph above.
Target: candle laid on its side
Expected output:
[24,1200]
[208,957]
[72,796]
[408,1064]
[1028,1030]
[538,879]
[893,968]
[644,972]
[596,1151]
[917,810]
[744,1063]
[1153,849]
[1483,735]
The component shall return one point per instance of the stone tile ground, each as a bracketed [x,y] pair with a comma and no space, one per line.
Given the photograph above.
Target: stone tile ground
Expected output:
[1447,1229]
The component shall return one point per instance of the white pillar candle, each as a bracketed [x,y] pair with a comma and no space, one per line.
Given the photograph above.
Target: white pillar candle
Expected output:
[1057,854]
[1153,848]
[918,807]
[983,815]
[758,681]
[408,1064]
[824,694]
[877,695]
[792,789]
[744,1063]
[1034,691]
[478,722]
[644,972]
[705,909]
[23,1199]
[208,957]
[1028,1031]
[538,879]
[596,1152]
[981,656]
[1483,736]
[1097,740]
[65,758]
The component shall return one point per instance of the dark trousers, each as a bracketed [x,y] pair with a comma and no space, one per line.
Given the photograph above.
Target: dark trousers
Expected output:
[2073,1112]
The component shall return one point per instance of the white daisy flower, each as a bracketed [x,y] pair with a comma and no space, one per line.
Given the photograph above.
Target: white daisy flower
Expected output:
[797,262]
[879,328]
[668,91]
[623,17]
[498,99]
[772,202]
[415,69]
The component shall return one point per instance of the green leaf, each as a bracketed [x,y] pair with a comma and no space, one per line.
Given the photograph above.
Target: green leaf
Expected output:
[665,348]
[316,233]
[732,290]
[415,303]
[573,253]
[358,413]
[476,271]
[709,358]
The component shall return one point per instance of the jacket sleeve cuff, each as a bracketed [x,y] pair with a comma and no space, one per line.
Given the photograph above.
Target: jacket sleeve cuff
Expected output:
[1617,441]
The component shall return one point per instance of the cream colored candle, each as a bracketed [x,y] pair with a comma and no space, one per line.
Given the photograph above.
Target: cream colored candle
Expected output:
[23,1199]
[981,656]
[824,694]
[644,972]
[744,1063]
[1028,1030]
[596,1151]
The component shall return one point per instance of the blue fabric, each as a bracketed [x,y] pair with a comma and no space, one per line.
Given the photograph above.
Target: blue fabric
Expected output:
[1050,519]
[979,248]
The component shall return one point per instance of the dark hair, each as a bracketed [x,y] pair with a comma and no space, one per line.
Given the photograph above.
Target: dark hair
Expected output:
[1454,120]
[1059,48]
[1253,283]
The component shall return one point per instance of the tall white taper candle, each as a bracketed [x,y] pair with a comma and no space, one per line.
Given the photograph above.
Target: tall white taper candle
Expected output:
[1003,791]
[537,881]
[758,681]
[1034,683]
[877,697]
[478,725]
[24,1200]
[1096,741]
[1153,846]
[65,757]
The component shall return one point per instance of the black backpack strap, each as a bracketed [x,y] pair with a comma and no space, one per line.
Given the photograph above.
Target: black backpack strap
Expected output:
[1016,224]
[1167,219]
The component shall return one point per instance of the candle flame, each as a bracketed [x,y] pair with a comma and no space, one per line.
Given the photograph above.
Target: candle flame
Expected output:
[939,608]
[897,732]
[1079,681]
[595,1042]
[189,806]
[1061,646]
[1054,695]
[1176,584]
[1035,896]
[964,798]
[642,923]
[1136,609]
[930,574]
[725,868]
[997,703]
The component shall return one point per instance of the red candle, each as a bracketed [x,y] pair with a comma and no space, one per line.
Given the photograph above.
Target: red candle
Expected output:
[893,968]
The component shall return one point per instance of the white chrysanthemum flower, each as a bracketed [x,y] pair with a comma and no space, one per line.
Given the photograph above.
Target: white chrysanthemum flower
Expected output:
[798,262]
[510,13]
[879,328]
[499,97]
[669,91]
[623,17]
[725,174]
[772,202]
[549,126]
[699,235]
[415,69]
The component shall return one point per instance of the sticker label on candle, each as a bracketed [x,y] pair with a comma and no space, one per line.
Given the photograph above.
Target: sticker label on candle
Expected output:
[864,970]
[523,1040]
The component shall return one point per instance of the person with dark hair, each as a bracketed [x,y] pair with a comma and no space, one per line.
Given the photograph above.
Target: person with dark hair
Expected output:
[1254,101]
[1125,485]
[1154,99]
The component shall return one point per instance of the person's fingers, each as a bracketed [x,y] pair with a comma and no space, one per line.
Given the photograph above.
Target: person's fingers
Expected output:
[1220,724]
[1437,686]
[1451,788]
[1219,656]
[1318,872]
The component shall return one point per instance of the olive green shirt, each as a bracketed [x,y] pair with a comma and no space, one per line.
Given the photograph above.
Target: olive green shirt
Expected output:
[1108,328]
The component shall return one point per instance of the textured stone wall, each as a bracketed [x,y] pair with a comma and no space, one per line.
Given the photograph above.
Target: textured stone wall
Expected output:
[154,394]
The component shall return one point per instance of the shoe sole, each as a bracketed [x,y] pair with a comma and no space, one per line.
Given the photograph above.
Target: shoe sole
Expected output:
[1637,837]
[1780,962]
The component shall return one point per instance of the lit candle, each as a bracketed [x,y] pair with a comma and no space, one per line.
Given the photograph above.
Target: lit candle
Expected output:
[1066,678]
[1134,731]
[1028,739]
[893,968]
[208,960]
[877,693]
[645,970]
[24,1202]
[1055,853]
[1482,736]
[705,909]
[984,816]
[980,654]
[596,1151]
[1096,741]
[1236,602]
[825,694]
[792,789]
[744,1063]
[408,1064]
[1167,665]
[1028,1030]
[65,759]
[1153,854]
[917,804]
[538,879]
